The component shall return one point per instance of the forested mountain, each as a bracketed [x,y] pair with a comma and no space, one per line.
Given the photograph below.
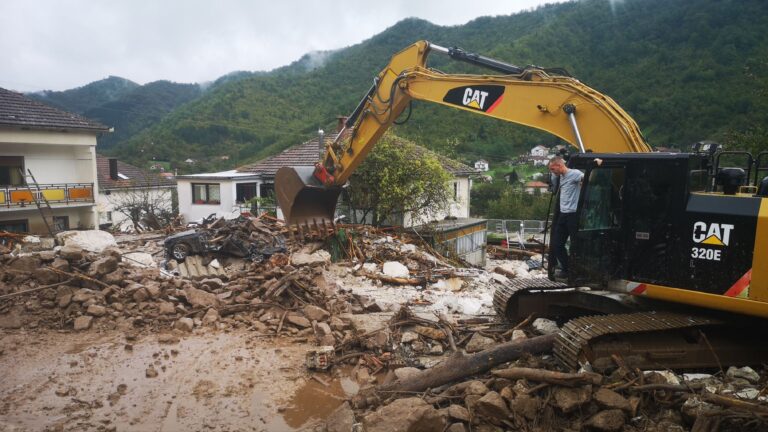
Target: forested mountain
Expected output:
[685,69]
[124,105]
[82,99]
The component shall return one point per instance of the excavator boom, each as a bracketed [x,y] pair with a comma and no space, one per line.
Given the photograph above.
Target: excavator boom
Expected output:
[546,99]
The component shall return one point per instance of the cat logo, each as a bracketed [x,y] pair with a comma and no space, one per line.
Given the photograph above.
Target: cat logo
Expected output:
[483,98]
[713,234]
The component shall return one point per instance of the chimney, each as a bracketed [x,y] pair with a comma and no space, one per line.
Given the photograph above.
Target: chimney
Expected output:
[341,123]
[321,142]
[113,169]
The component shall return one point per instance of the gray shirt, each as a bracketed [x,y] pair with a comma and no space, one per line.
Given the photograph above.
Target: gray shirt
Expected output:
[570,185]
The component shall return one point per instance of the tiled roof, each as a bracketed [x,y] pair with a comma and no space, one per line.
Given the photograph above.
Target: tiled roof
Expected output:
[20,111]
[136,177]
[308,153]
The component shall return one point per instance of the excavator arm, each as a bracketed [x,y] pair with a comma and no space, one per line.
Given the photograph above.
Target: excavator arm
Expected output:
[546,99]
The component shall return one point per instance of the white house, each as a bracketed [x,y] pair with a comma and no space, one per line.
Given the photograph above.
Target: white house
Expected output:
[124,189]
[481,165]
[225,193]
[539,150]
[59,149]
[538,160]
[532,186]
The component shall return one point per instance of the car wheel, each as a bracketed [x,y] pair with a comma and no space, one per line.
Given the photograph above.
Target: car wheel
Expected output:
[180,251]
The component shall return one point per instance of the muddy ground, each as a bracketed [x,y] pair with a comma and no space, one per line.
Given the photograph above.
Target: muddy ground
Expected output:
[218,381]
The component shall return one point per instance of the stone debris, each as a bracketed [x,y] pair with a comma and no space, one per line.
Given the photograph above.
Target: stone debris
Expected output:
[374,302]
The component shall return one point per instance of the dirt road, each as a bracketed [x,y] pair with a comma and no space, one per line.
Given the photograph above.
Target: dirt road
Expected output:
[217,381]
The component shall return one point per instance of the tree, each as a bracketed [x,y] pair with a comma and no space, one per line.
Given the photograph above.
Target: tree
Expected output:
[398,177]
[145,208]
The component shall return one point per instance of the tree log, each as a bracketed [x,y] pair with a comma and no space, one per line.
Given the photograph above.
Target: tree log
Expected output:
[461,366]
[551,377]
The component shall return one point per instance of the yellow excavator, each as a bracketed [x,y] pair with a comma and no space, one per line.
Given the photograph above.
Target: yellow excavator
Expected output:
[671,248]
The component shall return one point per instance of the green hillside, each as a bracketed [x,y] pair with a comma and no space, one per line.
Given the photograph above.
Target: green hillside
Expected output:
[685,69]
[82,99]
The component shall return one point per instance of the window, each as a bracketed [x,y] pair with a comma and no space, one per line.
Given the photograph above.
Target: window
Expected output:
[602,204]
[206,193]
[60,223]
[245,191]
[10,170]
[455,191]
[20,226]
[109,216]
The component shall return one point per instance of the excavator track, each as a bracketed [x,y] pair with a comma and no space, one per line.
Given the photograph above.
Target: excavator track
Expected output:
[646,340]
[601,327]
[508,290]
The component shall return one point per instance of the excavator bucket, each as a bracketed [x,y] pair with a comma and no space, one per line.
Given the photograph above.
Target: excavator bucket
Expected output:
[307,205]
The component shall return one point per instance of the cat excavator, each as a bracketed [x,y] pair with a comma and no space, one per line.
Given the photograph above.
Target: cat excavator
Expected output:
[669,266]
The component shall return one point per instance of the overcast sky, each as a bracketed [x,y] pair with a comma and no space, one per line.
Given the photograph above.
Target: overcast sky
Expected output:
[62,44]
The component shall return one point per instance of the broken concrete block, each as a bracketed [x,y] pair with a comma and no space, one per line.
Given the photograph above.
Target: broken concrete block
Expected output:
[45,276]
[323,329]
[526,405]
[96,310]
[609,399]
[341,419]
[458,412]
[405,415]
[456,427]
[475,387]
[298,321]
[518,335]
[479,342]
[745,372]
[26,263]
[408,337]
[185,324]
[200,298]
[71,253]
[314,313]
[166,308]
[210,317]
[545,326]
[303,259]
[60,264]
[139,259]
[607,421]
[213,283]
[83,322]
[11,321]
[90,240]
[103,266]
[47,255]
[492,405]
[395,269]
[569,399]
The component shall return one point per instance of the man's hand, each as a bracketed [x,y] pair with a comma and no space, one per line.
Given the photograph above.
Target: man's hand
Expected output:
[598,161]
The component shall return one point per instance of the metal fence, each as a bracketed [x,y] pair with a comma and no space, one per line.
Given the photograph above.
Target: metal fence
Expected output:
[518,232]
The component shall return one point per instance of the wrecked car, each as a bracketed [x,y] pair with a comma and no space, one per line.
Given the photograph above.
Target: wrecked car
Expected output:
[195,242]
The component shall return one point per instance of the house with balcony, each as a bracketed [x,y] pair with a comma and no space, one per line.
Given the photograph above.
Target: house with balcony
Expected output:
[59,149]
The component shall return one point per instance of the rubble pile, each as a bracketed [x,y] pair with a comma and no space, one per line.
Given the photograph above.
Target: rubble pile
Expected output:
[533,393]
[382,307]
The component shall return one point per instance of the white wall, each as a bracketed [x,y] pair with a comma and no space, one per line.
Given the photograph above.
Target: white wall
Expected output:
[458,208]
[79,217]
[191,212]
[55,163]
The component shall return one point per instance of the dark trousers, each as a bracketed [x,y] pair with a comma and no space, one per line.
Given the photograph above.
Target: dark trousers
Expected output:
[565,226]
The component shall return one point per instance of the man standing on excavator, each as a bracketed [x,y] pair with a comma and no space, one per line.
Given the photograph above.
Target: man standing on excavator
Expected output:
[567,221]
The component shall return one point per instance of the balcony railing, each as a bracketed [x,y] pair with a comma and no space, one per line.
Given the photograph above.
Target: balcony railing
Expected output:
[58,193]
